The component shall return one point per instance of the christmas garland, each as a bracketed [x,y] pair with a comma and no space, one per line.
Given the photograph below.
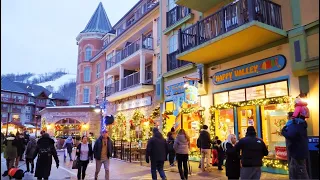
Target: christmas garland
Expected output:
[44,124]
[155,114]
[165,116]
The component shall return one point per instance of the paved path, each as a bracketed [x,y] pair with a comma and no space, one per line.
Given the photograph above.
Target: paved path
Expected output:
[124,170]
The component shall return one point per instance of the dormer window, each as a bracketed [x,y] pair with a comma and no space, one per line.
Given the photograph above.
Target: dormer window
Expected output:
[88,53]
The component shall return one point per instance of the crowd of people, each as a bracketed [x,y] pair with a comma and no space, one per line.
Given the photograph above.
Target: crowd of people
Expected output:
[243,158]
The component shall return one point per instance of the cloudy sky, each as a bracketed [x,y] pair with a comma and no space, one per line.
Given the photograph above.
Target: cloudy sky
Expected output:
[39,35]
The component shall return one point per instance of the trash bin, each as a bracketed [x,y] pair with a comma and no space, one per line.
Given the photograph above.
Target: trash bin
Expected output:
[313,161]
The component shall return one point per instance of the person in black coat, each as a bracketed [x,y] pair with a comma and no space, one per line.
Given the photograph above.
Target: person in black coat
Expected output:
[253,150]
[232,157]
[170,142]
[84,153]
[45,150]
[20,148]
[157,151]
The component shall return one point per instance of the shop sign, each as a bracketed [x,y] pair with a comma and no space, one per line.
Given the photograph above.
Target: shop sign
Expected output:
[257,68]
[135,103]
[191,95]
[175,89]
[281,152]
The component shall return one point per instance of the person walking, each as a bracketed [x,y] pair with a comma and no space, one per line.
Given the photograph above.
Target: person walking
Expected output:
[10,152]
[295,133]
[252,149]
[220,155]
[45,150]
[157,151]
[20,148]
[205,145]
[31,148]
[170,142]
[68,145]
[102,152]
[232,157]
[181,146]
[84,153]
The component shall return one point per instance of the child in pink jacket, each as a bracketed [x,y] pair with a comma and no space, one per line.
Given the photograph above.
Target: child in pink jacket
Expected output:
[301,110]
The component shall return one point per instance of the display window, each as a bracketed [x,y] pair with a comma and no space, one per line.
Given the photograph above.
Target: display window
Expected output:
[225,123]
[246,118]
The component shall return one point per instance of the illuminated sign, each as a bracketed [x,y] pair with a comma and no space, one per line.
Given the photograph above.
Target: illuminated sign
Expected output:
[257,68]
[176,88]
[191,95]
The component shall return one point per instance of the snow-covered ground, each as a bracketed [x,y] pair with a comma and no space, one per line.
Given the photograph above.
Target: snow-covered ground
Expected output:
[59,82]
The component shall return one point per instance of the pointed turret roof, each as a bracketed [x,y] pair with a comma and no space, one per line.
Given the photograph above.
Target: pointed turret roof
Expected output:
[99,21]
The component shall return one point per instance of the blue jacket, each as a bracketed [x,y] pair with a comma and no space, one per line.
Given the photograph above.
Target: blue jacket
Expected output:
[98,148]
[297,139]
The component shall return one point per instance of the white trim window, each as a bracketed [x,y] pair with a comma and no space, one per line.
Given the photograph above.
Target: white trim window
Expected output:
[98,70]
[171,4]
[87,74]
[173,43]
[88,53]
[86,95]
[159,67]
[158,31]
[97,91]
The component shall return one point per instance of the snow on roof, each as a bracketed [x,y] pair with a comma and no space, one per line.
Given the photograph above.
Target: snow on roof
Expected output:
[59,82]
[50,95]
[31,94]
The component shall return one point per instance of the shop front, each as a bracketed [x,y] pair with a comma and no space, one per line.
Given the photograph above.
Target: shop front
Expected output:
[183,110]
[259,93]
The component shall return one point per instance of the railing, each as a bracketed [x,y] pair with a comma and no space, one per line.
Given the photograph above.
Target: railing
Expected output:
[177,13]
[228,18]
[139,13]
[6,99]
[147,43]
[173,62]
[148,77]
[113,88]
[130,81]
[41,104]
[19,101]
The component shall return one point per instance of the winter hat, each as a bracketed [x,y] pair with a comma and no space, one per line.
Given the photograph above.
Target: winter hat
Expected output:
[155,130]
[251,131]
[204,127]
[172,129]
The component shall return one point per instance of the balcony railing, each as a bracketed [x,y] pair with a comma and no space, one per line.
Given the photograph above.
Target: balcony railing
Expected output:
[130,80]
[228,18]
[19,101]
[6,99]
[113,88]
[173,62]
[138,14]
[177,13]
[147,43]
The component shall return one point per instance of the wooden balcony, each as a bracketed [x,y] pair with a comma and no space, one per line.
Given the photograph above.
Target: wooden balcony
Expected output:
[20,101]
[176,14]
[6,99]
[130,85]
[196,5]
[237,28]
[143,43]
[173,62]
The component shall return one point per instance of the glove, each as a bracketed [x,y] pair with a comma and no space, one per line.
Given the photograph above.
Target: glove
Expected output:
[147,160]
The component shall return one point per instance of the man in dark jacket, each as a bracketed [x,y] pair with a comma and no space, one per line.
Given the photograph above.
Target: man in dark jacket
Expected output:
[297,147]
[170,142]
[205,145]
[45,150]
[253,150]
[102,152]
[157,151]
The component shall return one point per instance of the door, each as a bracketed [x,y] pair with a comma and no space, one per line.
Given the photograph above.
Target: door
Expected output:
[246,117]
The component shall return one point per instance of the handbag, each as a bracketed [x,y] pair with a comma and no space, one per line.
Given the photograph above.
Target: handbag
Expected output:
[75,163]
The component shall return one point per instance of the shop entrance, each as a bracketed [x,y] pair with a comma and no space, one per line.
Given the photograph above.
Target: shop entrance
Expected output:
[246,117]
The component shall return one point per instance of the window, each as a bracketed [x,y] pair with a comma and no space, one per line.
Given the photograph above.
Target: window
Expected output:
[4,115]
[237,95]
[97,91]
[171,4]
[256,92]
[225,123]
[18,107]
[4,105]
[158,31]
[28,117]
[87,73]
[221,98]
[109,81]
[98,70]
[277,89]
[85,95]
[88,53]
[28,108]
[173,43]
[159,67]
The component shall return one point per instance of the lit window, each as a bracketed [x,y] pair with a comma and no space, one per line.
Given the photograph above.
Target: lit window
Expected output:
[277,89]
[85,95]
[88,53]
[221,98]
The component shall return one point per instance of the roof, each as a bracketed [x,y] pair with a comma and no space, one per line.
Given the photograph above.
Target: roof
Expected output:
[33,90]
[57,96]
[8,85]
[99,21]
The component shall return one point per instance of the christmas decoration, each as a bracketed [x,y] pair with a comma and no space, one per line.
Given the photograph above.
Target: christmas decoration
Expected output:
[275,163]
[43,124]
[119,127]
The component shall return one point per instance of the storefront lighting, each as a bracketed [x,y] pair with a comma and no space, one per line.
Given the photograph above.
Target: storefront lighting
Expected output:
[227,120]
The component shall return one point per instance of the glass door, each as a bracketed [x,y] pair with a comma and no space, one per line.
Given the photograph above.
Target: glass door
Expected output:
[246,117]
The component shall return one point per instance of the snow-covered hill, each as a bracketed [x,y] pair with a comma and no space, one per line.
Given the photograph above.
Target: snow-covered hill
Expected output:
[56,84]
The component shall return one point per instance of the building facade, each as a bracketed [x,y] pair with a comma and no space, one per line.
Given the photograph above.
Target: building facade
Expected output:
[21,103]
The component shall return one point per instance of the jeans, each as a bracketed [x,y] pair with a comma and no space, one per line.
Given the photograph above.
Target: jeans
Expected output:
[298,169]
[250,172]
[158,165]
[28,162]
[171,157]
[183,159]
[82,169]
[65,156]
[106,164]
[205,155]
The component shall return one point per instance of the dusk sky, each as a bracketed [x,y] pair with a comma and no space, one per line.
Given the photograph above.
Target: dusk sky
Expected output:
[39,36]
